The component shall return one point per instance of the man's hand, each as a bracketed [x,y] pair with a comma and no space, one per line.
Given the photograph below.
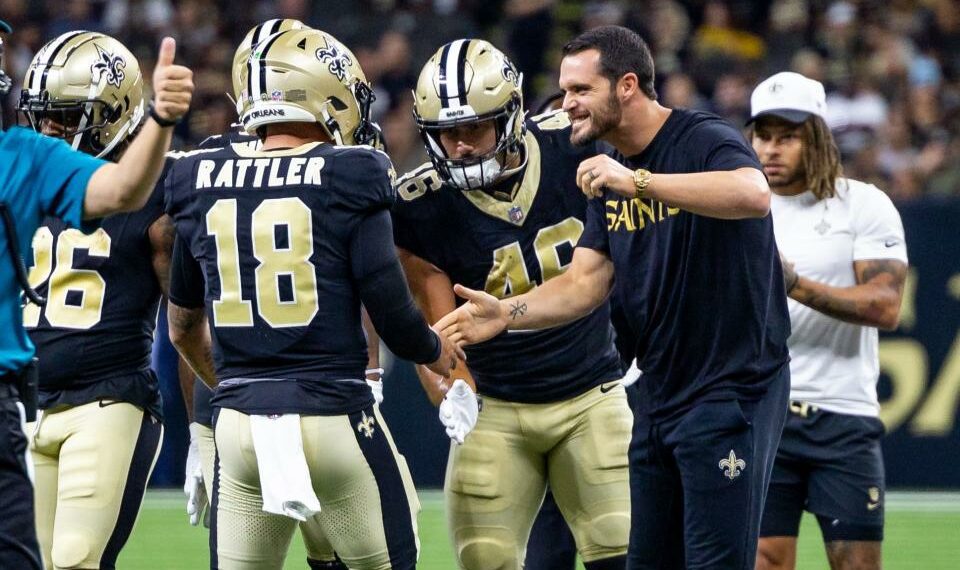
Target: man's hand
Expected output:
[480,318]
[459,410]
[790,277]
[197,501]
[172,84]
[602,172]
[449,353]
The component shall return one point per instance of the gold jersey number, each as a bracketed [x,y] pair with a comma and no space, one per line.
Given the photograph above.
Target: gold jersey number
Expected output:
[74,296]
[287,260]
[509,275]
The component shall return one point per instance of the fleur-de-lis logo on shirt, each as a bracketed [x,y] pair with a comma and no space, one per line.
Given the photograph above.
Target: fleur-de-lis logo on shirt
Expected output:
[366,425]
[109,67]
[339,61]
[732,467]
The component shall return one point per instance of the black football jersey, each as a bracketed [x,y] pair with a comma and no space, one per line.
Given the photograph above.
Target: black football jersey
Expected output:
[507,246]
[268,235]
[95,334]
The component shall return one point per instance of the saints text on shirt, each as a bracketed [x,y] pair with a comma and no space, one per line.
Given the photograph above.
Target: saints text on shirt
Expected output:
[633,214]
[259,172]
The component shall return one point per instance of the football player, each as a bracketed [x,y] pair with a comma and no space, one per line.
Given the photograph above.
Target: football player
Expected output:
[197,395]
[98,434]
[498,207]
[277,247]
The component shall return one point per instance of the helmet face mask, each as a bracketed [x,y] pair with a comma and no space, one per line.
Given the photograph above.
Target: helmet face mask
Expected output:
[86,88]
[70,119]
[479,170]
[468,82]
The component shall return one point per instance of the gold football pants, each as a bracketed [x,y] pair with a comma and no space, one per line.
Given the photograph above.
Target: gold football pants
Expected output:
[92,464]
[368,502]
[496,480]
[318,547]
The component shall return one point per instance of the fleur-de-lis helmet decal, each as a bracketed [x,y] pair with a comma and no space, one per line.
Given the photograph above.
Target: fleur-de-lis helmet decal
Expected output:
[303,75]
[338,60]
[109,67]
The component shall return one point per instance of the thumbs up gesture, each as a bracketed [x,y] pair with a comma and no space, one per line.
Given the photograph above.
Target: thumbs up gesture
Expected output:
[172,84]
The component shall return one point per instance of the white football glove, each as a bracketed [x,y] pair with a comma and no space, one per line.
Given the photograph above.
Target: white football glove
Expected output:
[632,375]
[376,386]
[459,410]
[197,501]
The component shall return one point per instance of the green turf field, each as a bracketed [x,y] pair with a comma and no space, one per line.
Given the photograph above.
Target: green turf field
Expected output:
[923,533]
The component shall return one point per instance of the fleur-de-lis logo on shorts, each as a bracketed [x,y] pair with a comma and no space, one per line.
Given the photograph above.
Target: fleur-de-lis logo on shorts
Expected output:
[366,425]
[732,467]
[873,498]
[339,61]
[109,67]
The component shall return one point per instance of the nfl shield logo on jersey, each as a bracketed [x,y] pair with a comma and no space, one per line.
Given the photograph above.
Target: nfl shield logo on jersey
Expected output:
[516,214]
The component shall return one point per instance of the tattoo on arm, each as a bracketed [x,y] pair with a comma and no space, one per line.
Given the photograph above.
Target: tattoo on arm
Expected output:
[196,350]
[893,273]
[517,310]
[873,301]
[184,319]
[161,234]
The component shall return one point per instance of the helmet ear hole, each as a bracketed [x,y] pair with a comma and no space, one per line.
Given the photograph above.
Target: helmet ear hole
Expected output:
[338,104]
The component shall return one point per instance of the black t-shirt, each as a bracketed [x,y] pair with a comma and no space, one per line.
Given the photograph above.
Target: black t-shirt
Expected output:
[703,297]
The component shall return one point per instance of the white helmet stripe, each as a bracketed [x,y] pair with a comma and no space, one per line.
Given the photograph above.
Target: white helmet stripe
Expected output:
[39,78]
[453,76]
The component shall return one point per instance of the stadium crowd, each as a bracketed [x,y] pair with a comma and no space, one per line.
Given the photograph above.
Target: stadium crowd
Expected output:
[892,68]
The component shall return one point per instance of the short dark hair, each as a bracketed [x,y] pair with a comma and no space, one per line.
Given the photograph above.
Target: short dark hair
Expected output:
[622,51]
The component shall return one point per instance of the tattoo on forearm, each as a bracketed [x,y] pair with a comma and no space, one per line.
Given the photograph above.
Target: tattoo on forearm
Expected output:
[830,304]
[871,306]
[894,271]
[183,319]
[517,310]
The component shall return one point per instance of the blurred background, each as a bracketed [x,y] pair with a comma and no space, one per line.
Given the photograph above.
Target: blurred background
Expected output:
[892,72]
[891,68]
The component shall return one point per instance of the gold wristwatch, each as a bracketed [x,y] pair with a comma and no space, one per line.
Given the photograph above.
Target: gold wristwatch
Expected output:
[641,179]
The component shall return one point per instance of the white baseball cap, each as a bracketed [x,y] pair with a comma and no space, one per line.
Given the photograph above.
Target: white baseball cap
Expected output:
[790,96]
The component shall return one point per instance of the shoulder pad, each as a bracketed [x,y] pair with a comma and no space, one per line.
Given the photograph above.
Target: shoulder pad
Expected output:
[418,182]
[234,136]
[178,154]
[367,177]
[554,120]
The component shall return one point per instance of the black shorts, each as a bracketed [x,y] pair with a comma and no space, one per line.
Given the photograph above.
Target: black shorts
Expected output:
[830,465]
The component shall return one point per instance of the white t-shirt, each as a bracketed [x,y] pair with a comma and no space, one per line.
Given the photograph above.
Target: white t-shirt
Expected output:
[834,364]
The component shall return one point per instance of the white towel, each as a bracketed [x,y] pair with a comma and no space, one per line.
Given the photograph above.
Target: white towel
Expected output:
[284,476]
